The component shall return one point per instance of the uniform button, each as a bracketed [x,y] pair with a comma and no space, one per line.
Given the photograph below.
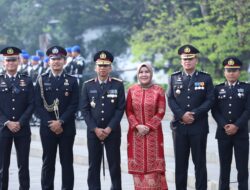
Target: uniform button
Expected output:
[13,117]
[102,97]
[188,105]
[13,108]
[230,97]
[13,100]
[188,97]
[229,112]
[102,111]
[102,104]
[57,89]
[102,119]
[189,89]
[230,120]
[230,105]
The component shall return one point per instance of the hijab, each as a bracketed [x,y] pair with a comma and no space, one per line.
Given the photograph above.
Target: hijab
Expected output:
[150,68]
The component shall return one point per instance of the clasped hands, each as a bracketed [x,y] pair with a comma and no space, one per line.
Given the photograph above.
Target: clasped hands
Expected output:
[14,126]
[101,133]
[188,118]
[55,126]
[142,130]
[231,129]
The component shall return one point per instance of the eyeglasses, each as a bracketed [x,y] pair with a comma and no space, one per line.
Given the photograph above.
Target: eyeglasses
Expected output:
[11,60]
[103,66]
[231,70]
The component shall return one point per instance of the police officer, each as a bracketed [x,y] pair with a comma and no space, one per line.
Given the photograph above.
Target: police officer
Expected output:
[35,68]
[190,97]
[24,63]
[56,101]
[103,103]
[231,112]
[16,107]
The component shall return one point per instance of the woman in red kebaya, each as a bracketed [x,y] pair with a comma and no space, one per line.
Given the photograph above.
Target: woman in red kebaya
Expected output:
[145,109]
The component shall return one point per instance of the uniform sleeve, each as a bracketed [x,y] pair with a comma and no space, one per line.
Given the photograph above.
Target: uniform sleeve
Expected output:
[3,118]
[25,117]
[175,108]
[208,102]
[217,115]
[73,104]
[116,119]
[243,119]
[130,112]
[86,109]
[39,106]
[155,121]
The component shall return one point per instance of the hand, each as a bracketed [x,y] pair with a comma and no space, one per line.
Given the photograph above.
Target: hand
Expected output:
[55,126]
[231,129]
[188,118]
[13,126]
[142,130]
[100,133]
[107,131]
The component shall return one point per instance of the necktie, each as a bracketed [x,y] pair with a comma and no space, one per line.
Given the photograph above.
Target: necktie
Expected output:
[102,85]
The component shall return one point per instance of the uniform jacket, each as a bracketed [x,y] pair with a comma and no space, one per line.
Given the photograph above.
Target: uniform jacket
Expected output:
[17,103]
[66,90]
[195,95]
[145,107]
[232,105]
[103,108]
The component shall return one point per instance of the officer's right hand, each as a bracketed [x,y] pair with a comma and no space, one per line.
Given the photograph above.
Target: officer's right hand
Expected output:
[188,118]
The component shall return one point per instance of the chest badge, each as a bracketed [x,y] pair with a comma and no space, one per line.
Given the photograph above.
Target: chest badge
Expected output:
[22,83]
[66,82]
[178,91]
[92,103]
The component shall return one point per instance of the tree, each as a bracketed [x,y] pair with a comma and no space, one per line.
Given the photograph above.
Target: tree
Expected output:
[219,29]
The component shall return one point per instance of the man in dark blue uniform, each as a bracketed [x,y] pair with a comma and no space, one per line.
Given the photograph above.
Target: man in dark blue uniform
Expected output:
[231,112]
[16,108]
[56,101]
[103,104]
[190,97]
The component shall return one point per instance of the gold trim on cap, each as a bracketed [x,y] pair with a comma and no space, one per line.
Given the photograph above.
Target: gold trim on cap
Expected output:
[184,56]
[103,62]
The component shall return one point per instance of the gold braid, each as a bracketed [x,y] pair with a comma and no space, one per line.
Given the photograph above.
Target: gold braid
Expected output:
[50,108]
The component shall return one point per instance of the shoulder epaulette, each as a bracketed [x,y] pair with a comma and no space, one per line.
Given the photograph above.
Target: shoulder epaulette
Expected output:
[176,72]
[1,74]
[204,72]
[120,80]
[69,74]
[220,84]
[43,74]
[89,80]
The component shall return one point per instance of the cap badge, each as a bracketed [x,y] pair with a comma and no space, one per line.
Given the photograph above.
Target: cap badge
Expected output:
[103,55]
[230,62]
[10,51]
[55,50]
[187,50]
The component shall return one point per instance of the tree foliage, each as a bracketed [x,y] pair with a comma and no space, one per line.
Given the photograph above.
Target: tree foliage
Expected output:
[218,28]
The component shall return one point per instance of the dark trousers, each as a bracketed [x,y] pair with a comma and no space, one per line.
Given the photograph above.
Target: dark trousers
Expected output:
[22,145]
[95,149]
[241,152]
[182,145]
[49,144]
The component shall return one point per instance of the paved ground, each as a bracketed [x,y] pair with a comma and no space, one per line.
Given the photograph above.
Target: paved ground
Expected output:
[127,182]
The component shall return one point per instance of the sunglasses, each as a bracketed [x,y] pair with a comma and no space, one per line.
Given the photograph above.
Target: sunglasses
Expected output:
[11,60]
